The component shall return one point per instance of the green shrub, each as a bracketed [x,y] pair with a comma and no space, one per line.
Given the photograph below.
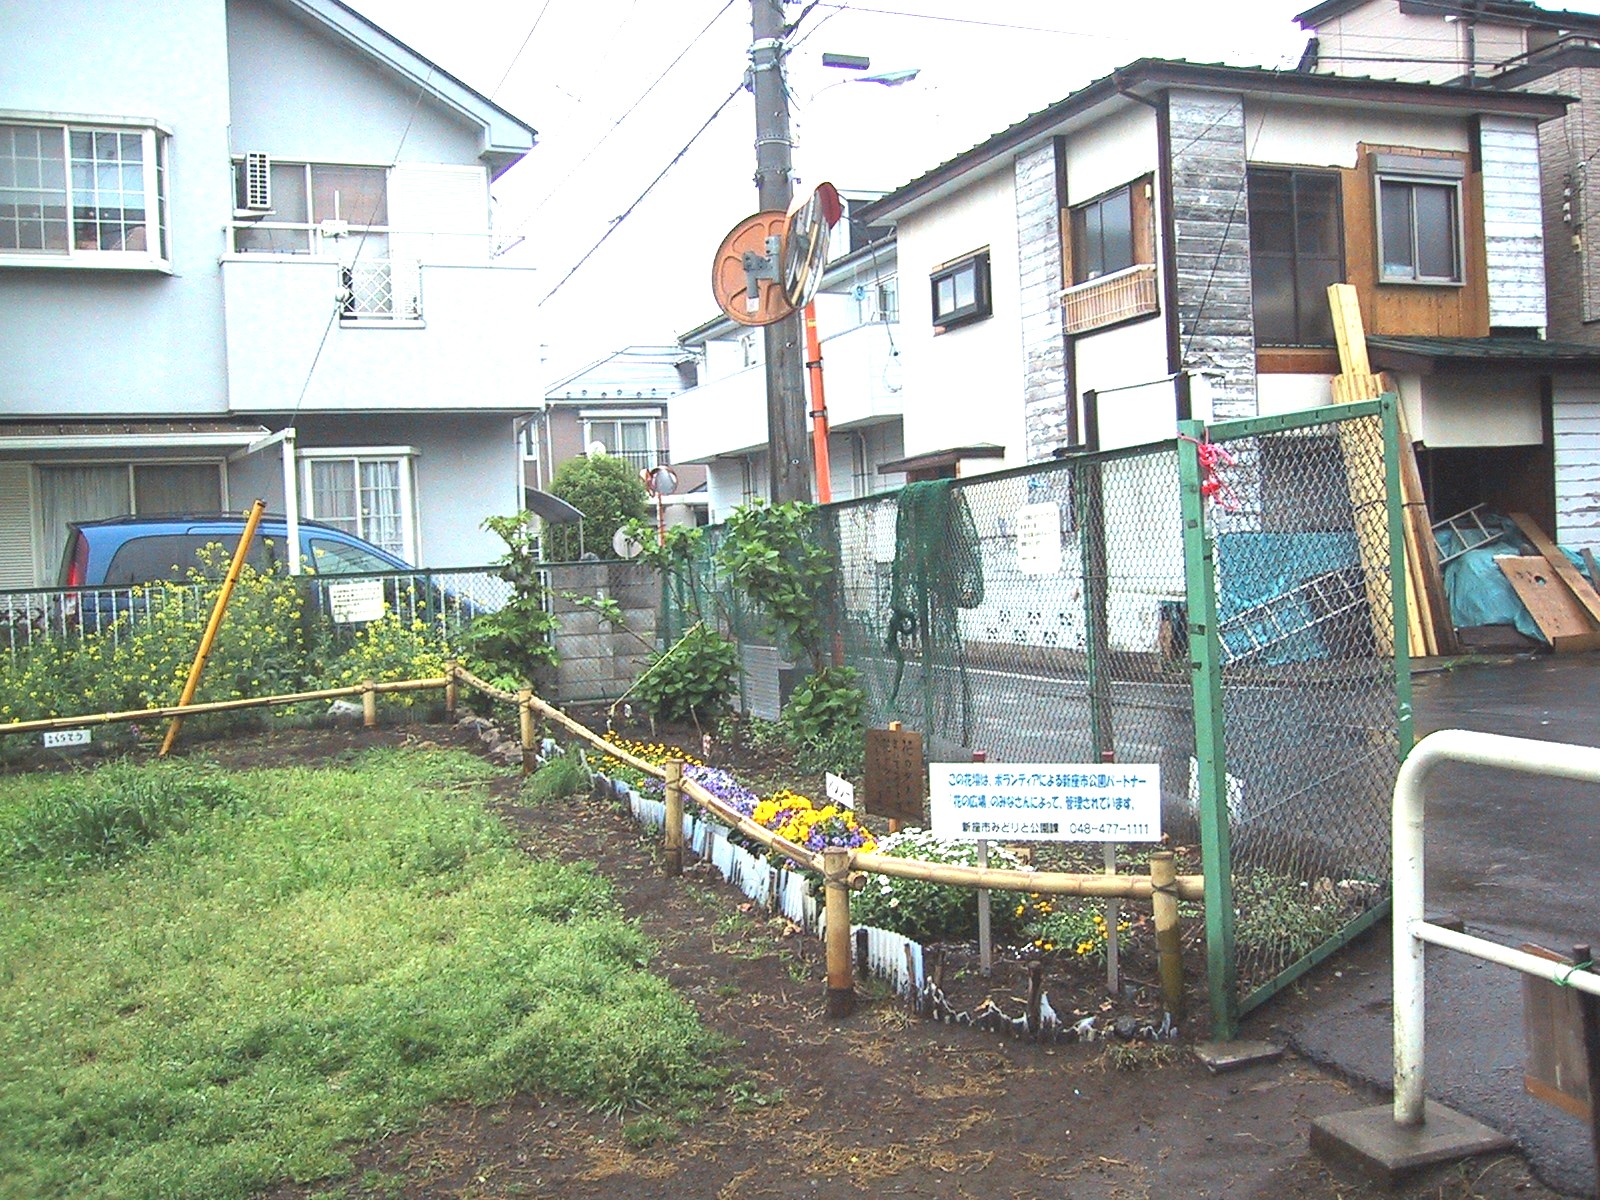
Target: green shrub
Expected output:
[557,779]
[94,818]
[691,680]
[772,554]
[607,491]
[515,642]
[930,912]
[389,650]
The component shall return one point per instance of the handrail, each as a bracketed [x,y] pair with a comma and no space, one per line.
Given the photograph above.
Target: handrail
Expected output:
[1412,932]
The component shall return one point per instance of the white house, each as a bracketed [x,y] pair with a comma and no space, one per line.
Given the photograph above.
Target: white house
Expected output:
[245,250]
[722,422]
[1158,245]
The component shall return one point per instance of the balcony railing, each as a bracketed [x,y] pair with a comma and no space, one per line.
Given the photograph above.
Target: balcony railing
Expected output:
[1110,299]
[384,290]
[639,460]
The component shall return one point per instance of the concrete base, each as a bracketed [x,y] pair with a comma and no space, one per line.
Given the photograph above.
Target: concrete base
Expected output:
[1368,1141]
[1222,1057]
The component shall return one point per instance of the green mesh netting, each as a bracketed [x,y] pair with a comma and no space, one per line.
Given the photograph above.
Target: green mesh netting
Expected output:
[938,570]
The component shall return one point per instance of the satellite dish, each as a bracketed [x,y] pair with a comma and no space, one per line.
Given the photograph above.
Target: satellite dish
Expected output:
[805,243]
[625,546]
[596,450]
[744,273]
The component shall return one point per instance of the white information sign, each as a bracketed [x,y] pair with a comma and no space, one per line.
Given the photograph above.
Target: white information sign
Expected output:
[357,600]
[1046,802]
[1039,538]
[840,791]
[67,737]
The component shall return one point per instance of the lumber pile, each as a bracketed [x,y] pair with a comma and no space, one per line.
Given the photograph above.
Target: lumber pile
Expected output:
[1429,627]
[1561,601]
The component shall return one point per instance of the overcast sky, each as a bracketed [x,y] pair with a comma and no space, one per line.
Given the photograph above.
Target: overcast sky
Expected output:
[578,71]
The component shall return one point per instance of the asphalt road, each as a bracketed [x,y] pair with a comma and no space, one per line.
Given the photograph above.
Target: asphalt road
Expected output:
[1514,857]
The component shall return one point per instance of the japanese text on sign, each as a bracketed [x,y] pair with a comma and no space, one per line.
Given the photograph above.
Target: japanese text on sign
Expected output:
[1066,802]
[356,601]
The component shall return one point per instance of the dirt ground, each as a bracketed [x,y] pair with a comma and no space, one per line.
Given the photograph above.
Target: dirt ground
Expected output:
[882,1103]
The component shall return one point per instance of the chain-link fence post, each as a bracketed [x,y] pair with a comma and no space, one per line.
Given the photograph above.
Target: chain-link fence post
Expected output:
[1211,766]
[1091,507]
[1397,569]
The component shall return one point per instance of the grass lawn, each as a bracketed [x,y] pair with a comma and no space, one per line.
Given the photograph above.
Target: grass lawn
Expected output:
[210,981]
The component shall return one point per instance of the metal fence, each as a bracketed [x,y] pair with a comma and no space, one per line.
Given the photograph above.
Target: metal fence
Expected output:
[1221,604]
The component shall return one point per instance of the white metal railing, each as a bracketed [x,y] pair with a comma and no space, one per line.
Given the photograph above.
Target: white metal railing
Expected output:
[1412,933]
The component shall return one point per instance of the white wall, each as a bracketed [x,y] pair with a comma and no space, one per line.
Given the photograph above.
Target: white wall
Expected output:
[1116,362]
[1279,394]
[963,386]
[1302,135]
[1111,152]
[97,342]
[1465,410]
[298,93]
[1576,419]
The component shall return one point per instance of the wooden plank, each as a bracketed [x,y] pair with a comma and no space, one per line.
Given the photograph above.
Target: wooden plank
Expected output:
[1555,610]
[1560,564]
[1552,1024]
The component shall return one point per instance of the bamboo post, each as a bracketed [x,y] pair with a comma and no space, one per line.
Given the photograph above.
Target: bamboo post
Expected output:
[894,825]
[1035,997]
[452,690]
[234,568]
[985,915]
[525,730]
[369,704]
[672,839]
[836,884]
[1169,947]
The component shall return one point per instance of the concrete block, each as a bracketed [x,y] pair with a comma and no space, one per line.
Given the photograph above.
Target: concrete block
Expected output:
[1221,1057]
[1369,1143]
[586,645]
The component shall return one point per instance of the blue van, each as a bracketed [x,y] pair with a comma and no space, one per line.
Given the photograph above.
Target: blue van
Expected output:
[126,551]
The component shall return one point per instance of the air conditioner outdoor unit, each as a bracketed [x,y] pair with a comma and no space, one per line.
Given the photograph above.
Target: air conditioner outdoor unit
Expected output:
[257,181]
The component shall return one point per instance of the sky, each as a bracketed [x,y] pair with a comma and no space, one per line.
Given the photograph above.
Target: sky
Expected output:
[622,90]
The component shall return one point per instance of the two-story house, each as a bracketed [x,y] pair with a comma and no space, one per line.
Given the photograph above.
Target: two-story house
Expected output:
[245,250]
[1515,45]
[722,422]
[618,406]
[1159,244]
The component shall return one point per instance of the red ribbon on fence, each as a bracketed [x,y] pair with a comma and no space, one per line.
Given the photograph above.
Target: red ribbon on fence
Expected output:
[1212,485]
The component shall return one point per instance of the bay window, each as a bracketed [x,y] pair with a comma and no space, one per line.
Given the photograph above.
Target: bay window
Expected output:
[83,195]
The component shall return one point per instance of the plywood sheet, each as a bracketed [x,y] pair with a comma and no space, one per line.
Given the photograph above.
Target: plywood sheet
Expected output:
[1560,564]
[1555,610]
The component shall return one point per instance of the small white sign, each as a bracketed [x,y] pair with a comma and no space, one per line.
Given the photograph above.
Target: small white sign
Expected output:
[1039,538]
[67,737]
[1046,802]
[356,601]
[840,791]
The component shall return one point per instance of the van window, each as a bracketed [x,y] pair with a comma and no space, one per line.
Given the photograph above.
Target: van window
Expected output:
[329,557]
[171,556]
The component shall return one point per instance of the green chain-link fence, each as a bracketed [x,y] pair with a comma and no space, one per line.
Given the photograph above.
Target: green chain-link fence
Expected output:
[1221,604]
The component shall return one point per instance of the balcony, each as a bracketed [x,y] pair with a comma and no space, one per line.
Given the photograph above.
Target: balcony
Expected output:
[861,378]
[1111,299]
[309,334]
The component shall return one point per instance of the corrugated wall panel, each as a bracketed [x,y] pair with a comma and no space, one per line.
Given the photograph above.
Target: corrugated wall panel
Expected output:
[1513,224]
[18,561]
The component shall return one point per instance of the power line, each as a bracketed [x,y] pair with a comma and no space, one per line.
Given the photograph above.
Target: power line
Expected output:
[515,58]
[515,235]
[895,12]
[617,224]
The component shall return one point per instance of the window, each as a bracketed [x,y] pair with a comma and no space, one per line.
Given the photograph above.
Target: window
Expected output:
[340,558]
[633,441]
[879,301]
[1296,251]
[1102,236]
[961,291]
[1419,218]
[368,495]
[91,195]
[315,206]
[94,491]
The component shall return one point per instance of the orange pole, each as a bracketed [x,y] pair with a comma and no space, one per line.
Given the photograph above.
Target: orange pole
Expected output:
[819,408]
[210,636]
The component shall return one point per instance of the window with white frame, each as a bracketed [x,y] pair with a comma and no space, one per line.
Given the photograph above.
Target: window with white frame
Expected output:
[1419,218]
[632,439]
[90,194]
[367,493]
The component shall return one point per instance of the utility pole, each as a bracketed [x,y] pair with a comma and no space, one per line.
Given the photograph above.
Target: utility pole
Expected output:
[789,472]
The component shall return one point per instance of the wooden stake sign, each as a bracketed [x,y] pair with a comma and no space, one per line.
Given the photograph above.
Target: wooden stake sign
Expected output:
[894,779]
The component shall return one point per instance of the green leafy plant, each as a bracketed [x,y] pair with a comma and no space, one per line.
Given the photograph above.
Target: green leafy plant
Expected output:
[608,494]
[557,779]
[929,912]
[1066,925]
[389,650]
[692,679]
[516,641]
[772,554]
[827,701]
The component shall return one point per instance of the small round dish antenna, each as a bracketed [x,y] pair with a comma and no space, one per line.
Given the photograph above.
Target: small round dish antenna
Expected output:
[625,546]
[659,481]
[744,273]
[805,243]
[596,450]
